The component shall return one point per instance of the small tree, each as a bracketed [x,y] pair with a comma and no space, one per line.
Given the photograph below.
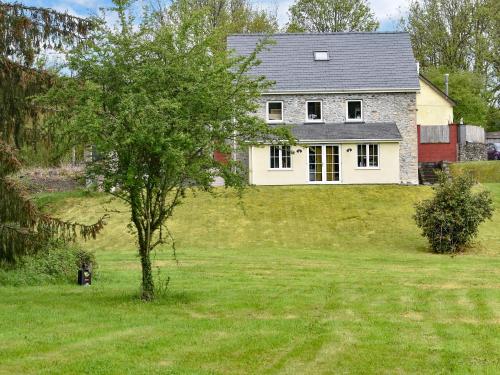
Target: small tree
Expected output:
[156,100]
[450,220]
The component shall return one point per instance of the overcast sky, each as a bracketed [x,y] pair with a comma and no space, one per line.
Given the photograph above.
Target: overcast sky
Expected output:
[387,11]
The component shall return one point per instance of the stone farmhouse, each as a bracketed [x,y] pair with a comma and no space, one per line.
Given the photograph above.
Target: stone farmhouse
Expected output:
[352,101]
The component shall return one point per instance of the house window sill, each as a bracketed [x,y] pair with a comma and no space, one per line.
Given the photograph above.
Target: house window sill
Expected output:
[368,168]
[280,169]
[325,182]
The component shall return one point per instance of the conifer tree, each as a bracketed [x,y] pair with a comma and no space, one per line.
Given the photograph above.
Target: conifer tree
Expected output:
[23,228]
[25,32]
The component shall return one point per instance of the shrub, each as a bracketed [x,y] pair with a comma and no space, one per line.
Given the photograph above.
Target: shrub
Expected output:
[58,262]
[450,219]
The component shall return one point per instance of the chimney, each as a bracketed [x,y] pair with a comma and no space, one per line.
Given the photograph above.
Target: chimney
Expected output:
[418,67]
[446,76]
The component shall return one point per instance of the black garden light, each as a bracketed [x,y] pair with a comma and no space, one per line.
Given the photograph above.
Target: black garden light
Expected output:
[84,276]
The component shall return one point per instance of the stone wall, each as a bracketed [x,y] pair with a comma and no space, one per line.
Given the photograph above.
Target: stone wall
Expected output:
[60,179]
[384,107]
[242,156]
[472,152]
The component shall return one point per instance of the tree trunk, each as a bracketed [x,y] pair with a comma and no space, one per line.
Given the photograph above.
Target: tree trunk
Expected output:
[148,289]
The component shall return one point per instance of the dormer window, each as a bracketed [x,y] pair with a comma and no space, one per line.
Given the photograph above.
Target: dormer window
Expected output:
[321,55]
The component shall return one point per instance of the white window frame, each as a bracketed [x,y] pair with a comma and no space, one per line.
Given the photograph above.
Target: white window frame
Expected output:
[280,158]
[323,166]
[282,112]
[321,109]
[367,150]
[317,59]
[347,119]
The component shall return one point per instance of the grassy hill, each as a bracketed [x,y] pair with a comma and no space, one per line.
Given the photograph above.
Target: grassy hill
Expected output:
[292,280]
[483,171]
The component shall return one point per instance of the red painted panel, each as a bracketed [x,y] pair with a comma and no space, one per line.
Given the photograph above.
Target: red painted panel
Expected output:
[221,157]
[434,152]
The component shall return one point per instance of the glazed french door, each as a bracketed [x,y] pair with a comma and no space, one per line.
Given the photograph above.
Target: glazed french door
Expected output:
[324,164]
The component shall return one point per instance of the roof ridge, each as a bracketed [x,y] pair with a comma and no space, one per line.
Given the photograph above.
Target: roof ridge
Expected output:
[319,33]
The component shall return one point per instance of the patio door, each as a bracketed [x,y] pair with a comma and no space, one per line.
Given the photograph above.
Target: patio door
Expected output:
[324,164]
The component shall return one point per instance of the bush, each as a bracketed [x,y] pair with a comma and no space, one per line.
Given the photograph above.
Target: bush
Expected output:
[57,263]
[450,220]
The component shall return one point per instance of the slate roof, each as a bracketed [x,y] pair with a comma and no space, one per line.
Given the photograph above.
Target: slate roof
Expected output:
[385,131]
[371,61]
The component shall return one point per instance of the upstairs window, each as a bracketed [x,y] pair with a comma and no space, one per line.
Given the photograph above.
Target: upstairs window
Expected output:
[314,111]
[368,156]
[280,157]
[354,110]
[321,55]
[274,111]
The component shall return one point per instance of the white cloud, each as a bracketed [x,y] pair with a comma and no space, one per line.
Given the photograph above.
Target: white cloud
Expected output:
[86,3]
[280,7]
[387,9]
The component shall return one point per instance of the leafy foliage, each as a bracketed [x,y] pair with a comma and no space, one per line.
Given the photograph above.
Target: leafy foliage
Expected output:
[331,16]
[450,220]
[462,34]
[229,16]
[461,37]
[156,101]
[468,90]
[58,262]
[23,228]
[493,119]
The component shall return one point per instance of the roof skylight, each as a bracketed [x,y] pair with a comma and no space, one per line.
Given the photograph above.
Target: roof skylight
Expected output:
[320,55]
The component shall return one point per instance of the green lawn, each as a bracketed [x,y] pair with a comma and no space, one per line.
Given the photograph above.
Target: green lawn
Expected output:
[295,280]
[484,171]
